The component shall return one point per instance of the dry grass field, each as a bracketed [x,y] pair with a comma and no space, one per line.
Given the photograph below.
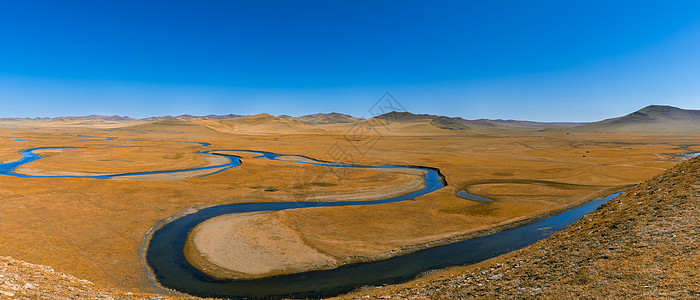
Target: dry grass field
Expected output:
[93,228]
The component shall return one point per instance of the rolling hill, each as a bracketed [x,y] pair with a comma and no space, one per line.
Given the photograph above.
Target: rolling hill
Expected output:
[169,125]
[458,123]
[655,119]
[330,118]
[265,123]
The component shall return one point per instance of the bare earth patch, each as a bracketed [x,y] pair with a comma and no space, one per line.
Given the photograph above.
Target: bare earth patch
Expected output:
[251,245]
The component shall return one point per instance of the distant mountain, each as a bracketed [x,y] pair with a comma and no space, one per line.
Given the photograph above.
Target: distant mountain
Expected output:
[404,116]
[406,121]
[186,116]
[330,118]
[458,123]
[114,118]
[219,117]
[170,125]
[656,119]
[262,118]
[158,118]
[448,123]
[266,123]
[539,124]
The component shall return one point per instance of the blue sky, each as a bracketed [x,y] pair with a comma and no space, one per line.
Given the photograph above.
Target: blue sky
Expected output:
[533,60]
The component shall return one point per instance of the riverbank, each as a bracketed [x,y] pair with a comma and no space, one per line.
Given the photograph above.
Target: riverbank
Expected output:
[642,244]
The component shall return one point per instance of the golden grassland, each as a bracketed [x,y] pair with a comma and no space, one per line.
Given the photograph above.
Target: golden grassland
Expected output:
[93,228]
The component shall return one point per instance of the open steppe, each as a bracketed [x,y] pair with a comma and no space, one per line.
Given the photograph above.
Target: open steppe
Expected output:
[94,228]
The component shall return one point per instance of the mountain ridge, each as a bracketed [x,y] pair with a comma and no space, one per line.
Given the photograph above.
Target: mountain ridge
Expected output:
[653,119]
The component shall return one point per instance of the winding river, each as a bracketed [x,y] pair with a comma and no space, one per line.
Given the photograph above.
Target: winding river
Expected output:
[165,252]
[29,156]
[166,256]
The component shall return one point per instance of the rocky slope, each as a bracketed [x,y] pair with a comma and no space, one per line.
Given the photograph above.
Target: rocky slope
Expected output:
[21,280]
[643,244]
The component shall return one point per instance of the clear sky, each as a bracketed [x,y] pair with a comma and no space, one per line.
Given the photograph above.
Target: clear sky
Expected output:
[535,60]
